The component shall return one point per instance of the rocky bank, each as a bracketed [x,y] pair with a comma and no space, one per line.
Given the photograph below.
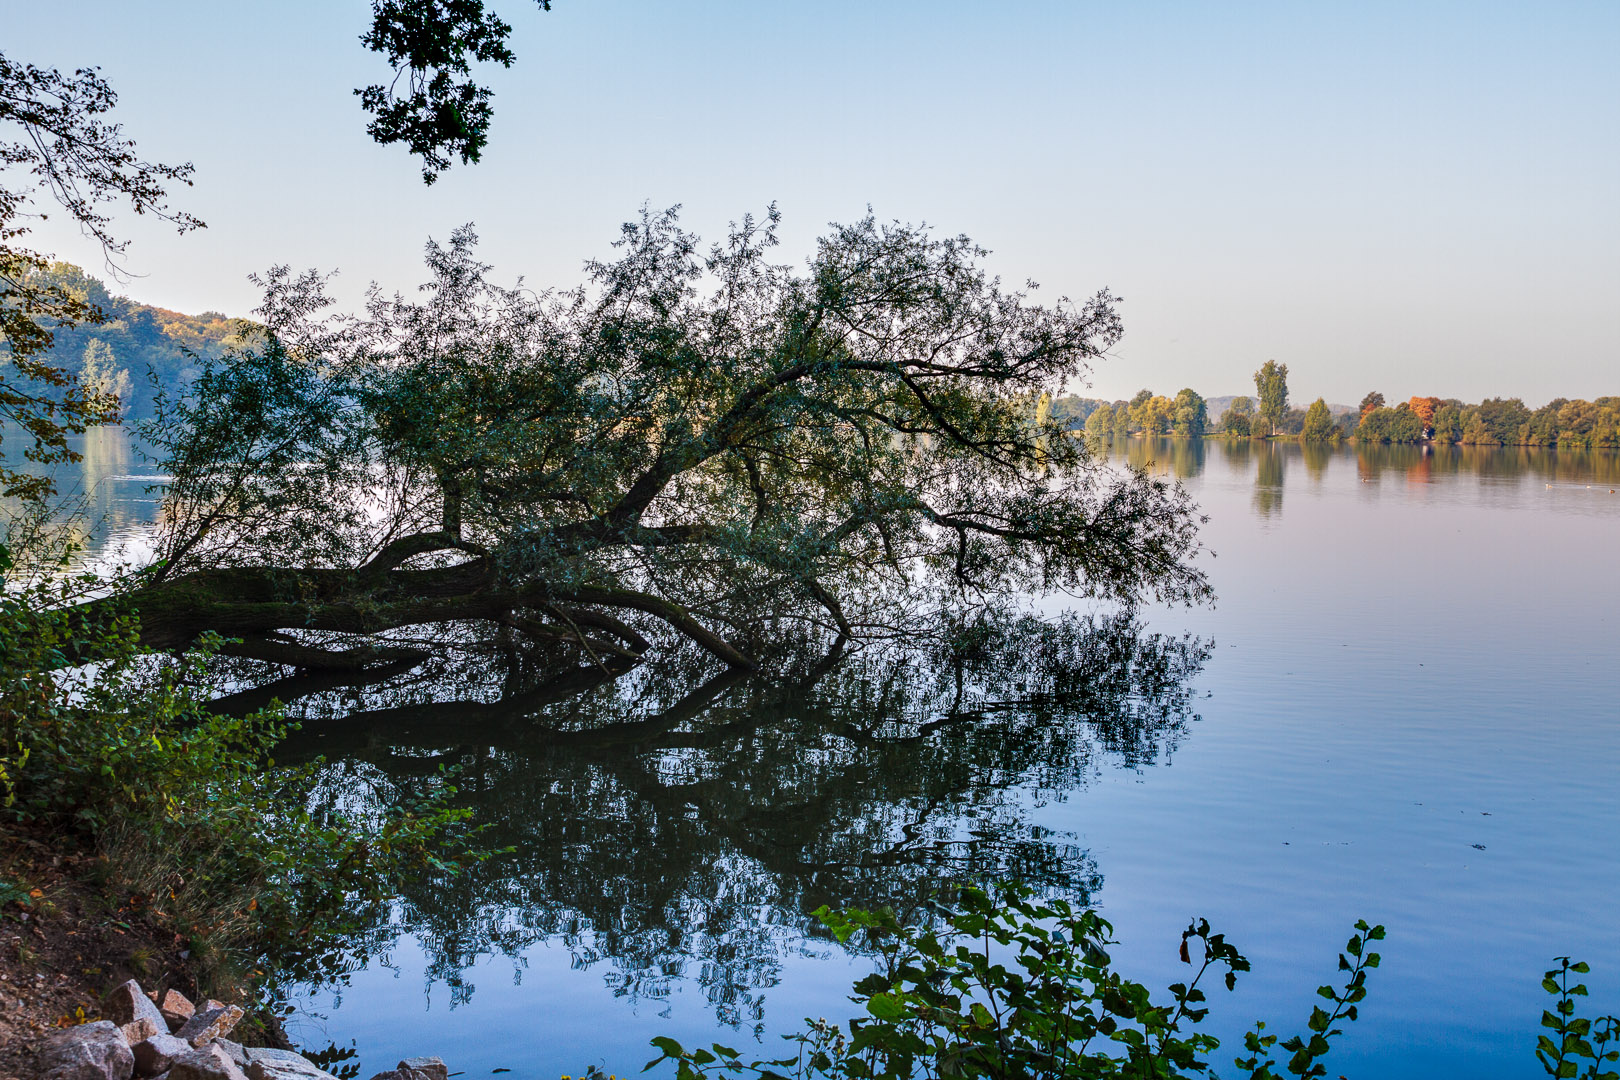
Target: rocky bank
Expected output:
[173,1039]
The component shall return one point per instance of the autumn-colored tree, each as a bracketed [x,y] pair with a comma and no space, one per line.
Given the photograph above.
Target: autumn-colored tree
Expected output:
[1424,407]
[1152,414]
[1372,401]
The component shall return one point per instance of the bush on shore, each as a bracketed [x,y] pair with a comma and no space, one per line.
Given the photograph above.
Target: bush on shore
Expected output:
[121,756]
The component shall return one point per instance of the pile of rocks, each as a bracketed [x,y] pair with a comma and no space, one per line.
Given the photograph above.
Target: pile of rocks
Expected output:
[173,1039]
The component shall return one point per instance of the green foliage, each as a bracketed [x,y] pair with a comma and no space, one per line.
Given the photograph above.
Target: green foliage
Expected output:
[1319,423]
[1151,414]
[1238,418]
[12,892]
[1191,414]
[132,353]
[1383,425]
[1101,421]
[1448,423]
[1271,384]
[1306,1051]
[1574,1038]
[431,45]
[122,755]
[1014,987]
[704,442]
[1495,422]
[1564,422]
[1122,419]
[1074,412]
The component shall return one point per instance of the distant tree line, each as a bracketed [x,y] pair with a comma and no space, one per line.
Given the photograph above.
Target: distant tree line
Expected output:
[1567,422]
[1186,415]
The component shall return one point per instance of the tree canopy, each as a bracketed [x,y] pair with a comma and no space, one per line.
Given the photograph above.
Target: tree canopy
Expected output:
[1271,384]
[1319,423]
[440,113]
[703,443]
[1192,414]
[1238,417]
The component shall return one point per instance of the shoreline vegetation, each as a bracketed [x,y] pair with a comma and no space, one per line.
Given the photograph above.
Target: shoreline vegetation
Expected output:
[1572,423]
[1562,423]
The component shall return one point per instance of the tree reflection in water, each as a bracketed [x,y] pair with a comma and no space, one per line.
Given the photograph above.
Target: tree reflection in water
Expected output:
[669,823]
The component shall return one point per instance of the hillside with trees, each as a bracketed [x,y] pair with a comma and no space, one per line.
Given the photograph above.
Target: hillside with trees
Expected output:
[137,351]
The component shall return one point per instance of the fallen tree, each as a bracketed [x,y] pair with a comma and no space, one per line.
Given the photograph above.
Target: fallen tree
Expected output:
[699,443]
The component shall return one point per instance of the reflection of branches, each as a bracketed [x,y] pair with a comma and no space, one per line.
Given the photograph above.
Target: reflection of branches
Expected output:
[676,827]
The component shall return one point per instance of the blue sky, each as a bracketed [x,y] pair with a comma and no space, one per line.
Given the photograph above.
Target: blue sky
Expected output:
[1408,197]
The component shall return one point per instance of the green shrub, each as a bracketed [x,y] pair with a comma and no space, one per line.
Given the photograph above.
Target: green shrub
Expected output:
[1017,988]
[114,749]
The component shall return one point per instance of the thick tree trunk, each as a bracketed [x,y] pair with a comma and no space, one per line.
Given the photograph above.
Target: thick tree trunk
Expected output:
[253,608]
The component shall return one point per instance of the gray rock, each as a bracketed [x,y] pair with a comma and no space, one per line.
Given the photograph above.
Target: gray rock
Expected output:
[293,1068]
[126,1005]
[235,1051]
[140,1030]
[95,1051]
[269,1053]
[176,1008]
[156,1054]
[423,1068]
[391,1074]
[206,1025]
[210,1062]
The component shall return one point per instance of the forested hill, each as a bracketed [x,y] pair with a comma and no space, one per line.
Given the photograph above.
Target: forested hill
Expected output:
[137,344]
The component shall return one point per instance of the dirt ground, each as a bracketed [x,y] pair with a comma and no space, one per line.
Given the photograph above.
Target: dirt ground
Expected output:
[65,940]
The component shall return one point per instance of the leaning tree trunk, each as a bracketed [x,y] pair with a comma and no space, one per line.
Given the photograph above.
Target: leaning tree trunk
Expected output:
[253,608]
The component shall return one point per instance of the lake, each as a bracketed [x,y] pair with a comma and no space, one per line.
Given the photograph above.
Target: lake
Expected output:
[1404,706]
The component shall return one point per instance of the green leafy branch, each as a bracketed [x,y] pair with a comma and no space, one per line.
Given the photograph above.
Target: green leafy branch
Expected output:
[1577,1038]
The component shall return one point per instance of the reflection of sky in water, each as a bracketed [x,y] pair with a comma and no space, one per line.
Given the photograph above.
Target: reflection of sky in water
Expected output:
[1415,654]
[1412,717]
[112,497]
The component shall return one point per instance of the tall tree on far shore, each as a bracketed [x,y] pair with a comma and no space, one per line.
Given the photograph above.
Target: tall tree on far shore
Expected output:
[1372,401]
[1101,421]
[1271,384]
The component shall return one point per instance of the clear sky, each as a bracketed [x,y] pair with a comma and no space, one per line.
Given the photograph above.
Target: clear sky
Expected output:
[1408,197]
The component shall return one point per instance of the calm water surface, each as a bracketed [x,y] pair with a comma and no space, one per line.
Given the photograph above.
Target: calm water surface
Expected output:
[1405,706]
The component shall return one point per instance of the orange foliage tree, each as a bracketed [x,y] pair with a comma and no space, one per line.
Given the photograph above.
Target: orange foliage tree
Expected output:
[1424,407]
